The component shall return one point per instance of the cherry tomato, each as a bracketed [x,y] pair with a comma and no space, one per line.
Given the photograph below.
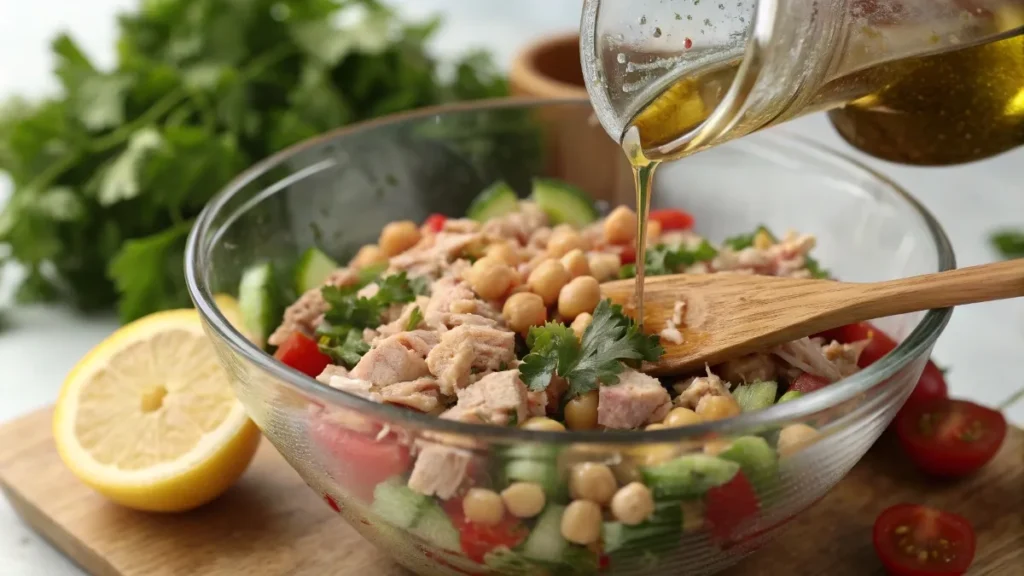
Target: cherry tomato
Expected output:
[359,462]
[931,385]
[806,383]
[914,540]
[728,506]
[435,222]
[477,540]
[671,219]
[950,437]
[628,254]
[301,353]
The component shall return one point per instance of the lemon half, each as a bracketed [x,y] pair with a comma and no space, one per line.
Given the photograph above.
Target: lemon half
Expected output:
[148,417]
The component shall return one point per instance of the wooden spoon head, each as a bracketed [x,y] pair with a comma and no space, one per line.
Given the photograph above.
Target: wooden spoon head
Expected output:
[725,315]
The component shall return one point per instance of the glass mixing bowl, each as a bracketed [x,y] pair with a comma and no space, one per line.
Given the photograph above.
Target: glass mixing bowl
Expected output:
[337,191]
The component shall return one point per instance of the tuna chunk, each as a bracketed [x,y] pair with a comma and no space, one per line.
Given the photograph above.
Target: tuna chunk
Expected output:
[355,386]
[808,356]
[330,371]
[420,394]
[439,470]
[635,400]
[390,362]
[465,348]
[497,398]
[518,226]
[691,391]
[432,253]
[845,356]
[304,313]
[750,368]
[785,258]
[445,293]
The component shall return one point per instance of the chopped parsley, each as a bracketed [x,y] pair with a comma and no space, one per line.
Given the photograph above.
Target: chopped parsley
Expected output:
[1009,243]
[663,259]
[348,314]
[611,340]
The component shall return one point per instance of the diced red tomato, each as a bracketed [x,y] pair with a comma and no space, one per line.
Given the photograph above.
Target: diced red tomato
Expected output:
[671,219]
[950,437]
[435,222]
[302,353]
[914,540]
[729,506]
[360,462]
[628,254]
[806,383]
[477,540]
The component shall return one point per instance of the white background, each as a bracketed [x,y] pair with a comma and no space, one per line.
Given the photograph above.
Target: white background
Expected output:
[984,343]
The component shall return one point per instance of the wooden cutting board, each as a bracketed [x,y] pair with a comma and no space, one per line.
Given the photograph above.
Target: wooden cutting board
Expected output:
[271,524]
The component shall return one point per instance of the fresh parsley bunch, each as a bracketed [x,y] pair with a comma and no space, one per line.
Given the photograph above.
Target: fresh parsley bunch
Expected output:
[109,175]
[1009,243]
[611,339]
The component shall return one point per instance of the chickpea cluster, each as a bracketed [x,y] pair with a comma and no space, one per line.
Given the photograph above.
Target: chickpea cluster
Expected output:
[593,488]
[488,508]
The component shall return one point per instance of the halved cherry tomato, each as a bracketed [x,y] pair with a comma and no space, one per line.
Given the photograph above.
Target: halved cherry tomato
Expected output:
[359,462]
[301,353]
[728,506]
[435,222]
[932,384]
[628,254]
[914,540]
[807,383]
[477,540]
[950,437]
[671,219]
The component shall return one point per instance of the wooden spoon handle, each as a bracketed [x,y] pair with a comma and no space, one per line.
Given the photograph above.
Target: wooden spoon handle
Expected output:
[941,290]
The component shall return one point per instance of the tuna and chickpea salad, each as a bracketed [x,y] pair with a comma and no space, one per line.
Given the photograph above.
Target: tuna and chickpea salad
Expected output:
[497,318]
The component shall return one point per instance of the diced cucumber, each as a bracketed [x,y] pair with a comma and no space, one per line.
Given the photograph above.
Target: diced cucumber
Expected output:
[665,526]
[532,452]
[313,269]
[791,395]
[394,502]
[545,542]
[564,203]
[755,396]
[435,527]
[258,301]
[543,472]
[496,200]
[757,459]
[688,477]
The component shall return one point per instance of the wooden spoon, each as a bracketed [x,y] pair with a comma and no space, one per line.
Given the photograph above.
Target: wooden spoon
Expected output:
[728,315]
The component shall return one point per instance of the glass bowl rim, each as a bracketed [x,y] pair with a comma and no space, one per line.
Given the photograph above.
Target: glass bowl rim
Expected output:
[922,337]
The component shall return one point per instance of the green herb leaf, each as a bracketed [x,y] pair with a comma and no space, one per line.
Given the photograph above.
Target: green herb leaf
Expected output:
[415,318]
[611,340]
[742,241]
[1009,243]
[662,259]
[148,271]
[346,350]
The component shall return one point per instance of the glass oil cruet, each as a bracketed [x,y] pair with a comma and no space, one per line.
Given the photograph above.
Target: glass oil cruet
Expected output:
[929,82]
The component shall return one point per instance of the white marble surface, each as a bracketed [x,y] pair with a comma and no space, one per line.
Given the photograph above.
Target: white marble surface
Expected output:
[983,343]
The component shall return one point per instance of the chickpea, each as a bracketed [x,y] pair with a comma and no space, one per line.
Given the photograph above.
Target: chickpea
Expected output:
[632,504]
[794,438]
[654,454]
[580,324]
[655,426]
[524,499]
[620,226]
[716,447]
[717,407]
[491,278]
[368,255]
[483,506]
[504,252]
[762,240]
[604,266]
[575,262]
[397,237]
[578,296]
[581,412]
[581,522]
[653,232]
[547,279]
[680,417]
[563,241]
[524,309]
[592,481]
[543,424]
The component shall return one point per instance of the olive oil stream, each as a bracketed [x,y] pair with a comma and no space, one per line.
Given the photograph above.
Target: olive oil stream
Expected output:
[934,110]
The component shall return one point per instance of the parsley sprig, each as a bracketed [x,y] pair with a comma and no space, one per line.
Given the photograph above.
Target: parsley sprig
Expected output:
[1009,243]
[663,259]
[611,340]
[340,335]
